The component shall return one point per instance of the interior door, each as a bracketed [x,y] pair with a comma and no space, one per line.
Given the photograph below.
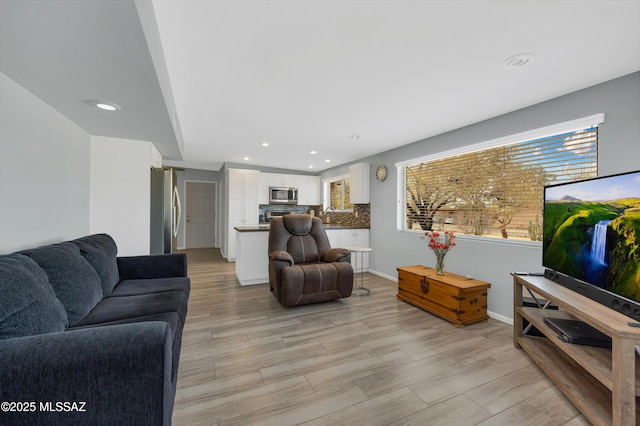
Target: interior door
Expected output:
[200,215]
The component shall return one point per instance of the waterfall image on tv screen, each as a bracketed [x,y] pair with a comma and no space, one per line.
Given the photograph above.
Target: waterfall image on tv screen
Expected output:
[591,232]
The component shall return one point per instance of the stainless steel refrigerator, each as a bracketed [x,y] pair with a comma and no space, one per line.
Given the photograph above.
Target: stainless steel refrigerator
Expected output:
[165,211]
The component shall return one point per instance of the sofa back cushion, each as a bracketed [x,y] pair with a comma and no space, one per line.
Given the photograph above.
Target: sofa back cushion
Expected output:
[101,252]
[28,304]
[74,280]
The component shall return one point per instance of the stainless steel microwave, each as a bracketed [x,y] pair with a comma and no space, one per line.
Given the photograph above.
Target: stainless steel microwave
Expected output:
[280,195]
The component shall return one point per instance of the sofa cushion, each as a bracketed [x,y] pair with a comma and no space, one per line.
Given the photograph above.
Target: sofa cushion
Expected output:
[124,307]
[28,304]
[101,252]
[73,279]
[156,285]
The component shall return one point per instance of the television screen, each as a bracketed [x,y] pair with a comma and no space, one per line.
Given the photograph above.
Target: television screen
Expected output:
[591,233]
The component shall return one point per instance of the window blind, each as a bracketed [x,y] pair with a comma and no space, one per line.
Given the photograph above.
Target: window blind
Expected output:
[495,191]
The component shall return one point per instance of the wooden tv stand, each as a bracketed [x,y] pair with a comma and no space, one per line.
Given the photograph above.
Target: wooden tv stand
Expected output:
[601,383]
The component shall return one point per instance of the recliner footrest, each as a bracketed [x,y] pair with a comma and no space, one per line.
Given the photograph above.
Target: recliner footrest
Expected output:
[316,282]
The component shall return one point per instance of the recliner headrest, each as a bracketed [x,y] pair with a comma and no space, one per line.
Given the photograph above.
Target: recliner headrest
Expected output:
[297,224]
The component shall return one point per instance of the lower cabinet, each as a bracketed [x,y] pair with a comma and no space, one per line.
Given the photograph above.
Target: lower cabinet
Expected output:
[252,257]
[334,237]
[344,238]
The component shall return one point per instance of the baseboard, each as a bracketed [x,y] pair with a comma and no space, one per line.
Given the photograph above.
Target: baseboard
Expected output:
[500,317]
[380,274]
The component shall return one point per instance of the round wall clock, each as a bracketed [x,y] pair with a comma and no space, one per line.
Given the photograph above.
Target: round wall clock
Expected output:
[381,173]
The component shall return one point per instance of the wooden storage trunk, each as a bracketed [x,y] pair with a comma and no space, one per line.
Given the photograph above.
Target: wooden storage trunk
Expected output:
[455,298]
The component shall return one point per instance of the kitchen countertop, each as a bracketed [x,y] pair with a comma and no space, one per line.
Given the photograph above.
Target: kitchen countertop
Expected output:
[265,227]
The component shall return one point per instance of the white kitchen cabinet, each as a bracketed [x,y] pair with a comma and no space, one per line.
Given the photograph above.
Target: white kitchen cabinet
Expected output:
[263,188]
[309,190]
[345,238]
[242,206]
[309,187]
[356,238]
[283,180]
[359,189]
[252,261]
[334,237]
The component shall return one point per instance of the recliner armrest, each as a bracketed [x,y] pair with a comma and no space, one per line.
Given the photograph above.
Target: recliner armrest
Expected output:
[118,374]
[282,256]
[336,255]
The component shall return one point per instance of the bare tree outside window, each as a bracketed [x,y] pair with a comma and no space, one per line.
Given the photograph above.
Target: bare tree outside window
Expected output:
[496,192]
[339,194]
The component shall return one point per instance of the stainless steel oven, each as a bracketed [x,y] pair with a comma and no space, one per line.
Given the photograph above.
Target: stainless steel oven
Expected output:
[280,195]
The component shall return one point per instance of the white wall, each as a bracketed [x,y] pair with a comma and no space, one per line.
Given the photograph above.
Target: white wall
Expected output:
[120,192]
[44,172]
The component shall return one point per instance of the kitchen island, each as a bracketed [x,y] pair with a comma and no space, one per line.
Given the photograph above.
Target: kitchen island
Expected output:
[252,245]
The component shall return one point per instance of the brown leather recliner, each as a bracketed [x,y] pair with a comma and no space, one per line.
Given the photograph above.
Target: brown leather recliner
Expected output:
[303,268]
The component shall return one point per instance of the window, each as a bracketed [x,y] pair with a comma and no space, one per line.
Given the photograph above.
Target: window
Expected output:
[336,194]
[495,189]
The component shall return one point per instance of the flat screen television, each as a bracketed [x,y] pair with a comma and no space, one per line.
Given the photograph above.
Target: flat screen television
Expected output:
[591,239]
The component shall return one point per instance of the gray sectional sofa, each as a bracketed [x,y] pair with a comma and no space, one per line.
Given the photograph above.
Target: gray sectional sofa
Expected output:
[89,338]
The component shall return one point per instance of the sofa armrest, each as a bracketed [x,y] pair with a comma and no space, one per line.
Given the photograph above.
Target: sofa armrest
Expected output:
[336,255]
[119,374]
[154,266]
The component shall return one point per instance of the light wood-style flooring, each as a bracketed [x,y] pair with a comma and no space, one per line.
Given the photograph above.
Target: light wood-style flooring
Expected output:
[365,360]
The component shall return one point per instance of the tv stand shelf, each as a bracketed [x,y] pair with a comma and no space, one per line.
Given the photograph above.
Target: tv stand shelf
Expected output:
[602,383]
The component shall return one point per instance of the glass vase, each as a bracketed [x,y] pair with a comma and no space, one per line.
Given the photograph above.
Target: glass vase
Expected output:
[440,263]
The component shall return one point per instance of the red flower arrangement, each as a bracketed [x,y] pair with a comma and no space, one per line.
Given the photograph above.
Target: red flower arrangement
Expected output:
[440,243]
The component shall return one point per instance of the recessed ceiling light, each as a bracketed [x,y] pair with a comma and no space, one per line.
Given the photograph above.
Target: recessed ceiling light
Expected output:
[311,166]
[107,106]
[354,136]
[327,161]
[518,61]
[264,143]
[245,158]
[312,152]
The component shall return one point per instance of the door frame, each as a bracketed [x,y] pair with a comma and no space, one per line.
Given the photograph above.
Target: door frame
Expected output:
[216,243]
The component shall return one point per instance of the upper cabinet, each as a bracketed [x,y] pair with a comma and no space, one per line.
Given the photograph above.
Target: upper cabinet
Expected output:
[283,180]
[242,197]
[309,191]
[263,188]
[359,176]
[309,187]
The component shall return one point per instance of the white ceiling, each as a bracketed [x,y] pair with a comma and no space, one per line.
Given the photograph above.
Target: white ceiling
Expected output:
[207,81]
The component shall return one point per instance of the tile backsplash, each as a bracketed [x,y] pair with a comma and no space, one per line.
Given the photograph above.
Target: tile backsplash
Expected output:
[358,217]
